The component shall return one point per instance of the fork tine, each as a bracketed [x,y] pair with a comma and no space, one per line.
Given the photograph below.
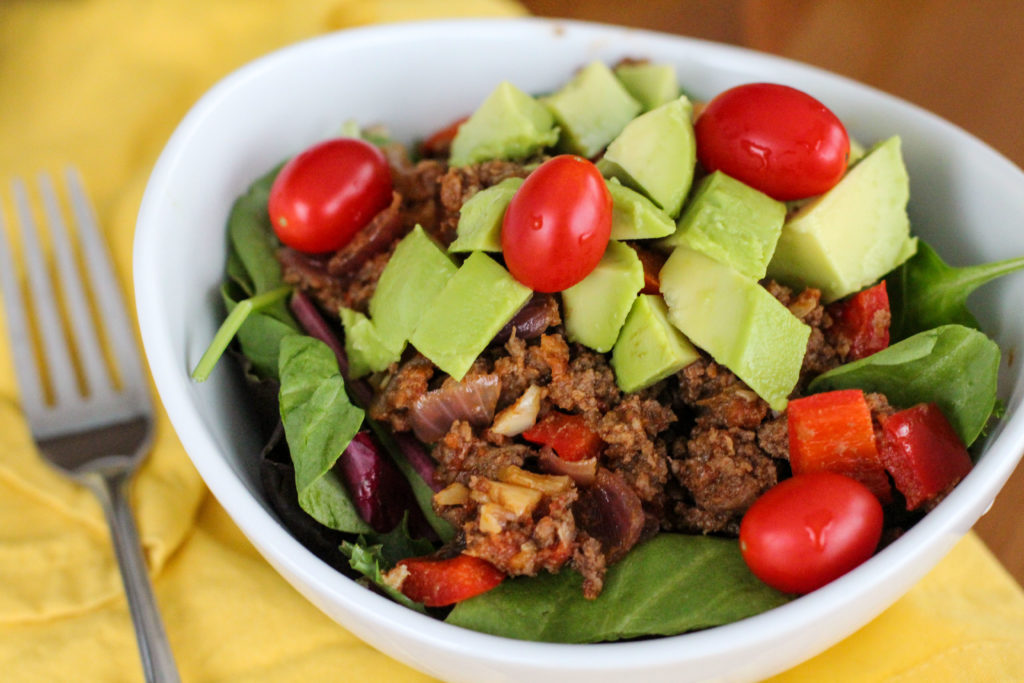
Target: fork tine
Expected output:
[119,329]
[44,303]
[33,396]
[83,330]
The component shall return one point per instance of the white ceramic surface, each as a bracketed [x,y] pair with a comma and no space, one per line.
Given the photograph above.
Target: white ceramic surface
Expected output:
[966,200]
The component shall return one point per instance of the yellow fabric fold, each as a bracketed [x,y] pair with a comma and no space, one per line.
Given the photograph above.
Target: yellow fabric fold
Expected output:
[102,84]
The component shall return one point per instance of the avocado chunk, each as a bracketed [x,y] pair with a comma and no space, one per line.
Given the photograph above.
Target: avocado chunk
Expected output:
[460,322]
[852,235]
[655,154]
[366,351]
[652,85]
[509,124]
[596,307]
[737,321]
[731,222]
[649,348]
[591,109]
[479,227]
[416,273]
[634,216]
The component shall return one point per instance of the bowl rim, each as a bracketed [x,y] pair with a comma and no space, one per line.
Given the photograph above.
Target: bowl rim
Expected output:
[291,558]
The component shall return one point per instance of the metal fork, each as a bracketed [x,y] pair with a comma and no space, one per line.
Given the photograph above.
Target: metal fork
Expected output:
[90,419]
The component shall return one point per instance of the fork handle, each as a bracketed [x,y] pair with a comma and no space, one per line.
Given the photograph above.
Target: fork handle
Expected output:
[155,650]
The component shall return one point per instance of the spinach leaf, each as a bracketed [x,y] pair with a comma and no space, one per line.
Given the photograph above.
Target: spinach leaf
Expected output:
[953,366]
[668,585]
[925,292]
[259,337]
[238,314]
[253,291]
[319,422]
[251,237]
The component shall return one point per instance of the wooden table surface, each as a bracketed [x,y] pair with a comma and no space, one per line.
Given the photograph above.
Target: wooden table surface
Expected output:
[962,60]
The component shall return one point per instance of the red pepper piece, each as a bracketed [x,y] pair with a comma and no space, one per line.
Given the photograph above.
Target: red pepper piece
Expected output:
[863,321]
[568,435]
[652,261]
[436,583]
[923,453]
[439,142]
[833,432]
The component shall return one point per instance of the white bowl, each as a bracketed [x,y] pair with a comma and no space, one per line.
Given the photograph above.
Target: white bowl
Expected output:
[967,201]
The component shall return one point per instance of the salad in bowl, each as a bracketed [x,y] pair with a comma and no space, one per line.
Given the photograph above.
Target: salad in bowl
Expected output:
[582,347]
[482,442]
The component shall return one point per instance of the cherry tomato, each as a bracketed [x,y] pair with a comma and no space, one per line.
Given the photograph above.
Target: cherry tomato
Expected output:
[326,194]
[809,530]
[774,138]
[557,225]
[440,141]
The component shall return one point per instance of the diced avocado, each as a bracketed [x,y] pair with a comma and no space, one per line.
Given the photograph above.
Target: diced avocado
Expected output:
[416,273]
[365,350]
[655,154]
[596,307]
[652,85]
[509,124]
[853,234]
[634,216]
[731,222]
[473,307]
[737,321]
[591,110]
[480,218]
[649,347]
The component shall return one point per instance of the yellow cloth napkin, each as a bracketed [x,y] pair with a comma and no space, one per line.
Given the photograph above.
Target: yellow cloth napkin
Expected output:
[102,83]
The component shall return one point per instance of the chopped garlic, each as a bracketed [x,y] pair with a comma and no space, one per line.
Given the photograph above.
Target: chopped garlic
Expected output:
[521,415]
[453,494]
[551,484]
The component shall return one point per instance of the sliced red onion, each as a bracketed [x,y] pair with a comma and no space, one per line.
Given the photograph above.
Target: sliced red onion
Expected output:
[473,399]
[583,472]
[418,457]
[611,512]
[383,229]
[315,326]
[379,492]
[537,315]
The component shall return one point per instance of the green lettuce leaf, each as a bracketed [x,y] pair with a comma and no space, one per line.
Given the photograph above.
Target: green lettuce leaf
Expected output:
[669,585]
[319,422]
[954,366]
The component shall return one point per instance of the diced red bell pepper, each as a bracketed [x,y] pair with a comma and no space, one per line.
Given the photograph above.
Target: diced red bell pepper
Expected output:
[923,453]
[439,142]
[863,321]
[652,261]
[568,435]
[833,432]
[437,583]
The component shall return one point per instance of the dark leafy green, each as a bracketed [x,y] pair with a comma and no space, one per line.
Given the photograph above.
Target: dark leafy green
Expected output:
[254,291]
[259,337]
[319,422]
[954,366]
[238,314]
[925,292]
[669,585]
[373,554]
[423,493]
